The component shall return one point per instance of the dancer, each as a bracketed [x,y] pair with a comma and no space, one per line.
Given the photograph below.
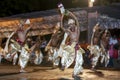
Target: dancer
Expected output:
[70,49]
[24,55]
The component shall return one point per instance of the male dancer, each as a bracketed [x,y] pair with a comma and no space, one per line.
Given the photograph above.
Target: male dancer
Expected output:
[70,50]
[24,55]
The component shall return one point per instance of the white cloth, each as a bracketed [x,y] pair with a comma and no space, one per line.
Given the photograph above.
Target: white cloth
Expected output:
[9,57]
[23,58]
[56,60]
[71,21]
[113,41]
[50,54]
[78,63]
[105,57]
[39,58]
[68,55]
[62,10]
[95,60]
[95,50]
[53,56]
[61,52]
[67,59]
[15,59]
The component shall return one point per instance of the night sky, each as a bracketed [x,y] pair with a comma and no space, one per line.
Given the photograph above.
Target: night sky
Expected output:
[12,7]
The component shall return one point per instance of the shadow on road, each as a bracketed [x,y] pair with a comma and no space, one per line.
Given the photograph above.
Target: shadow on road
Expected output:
[75,78]
[6,74]
[63,79]
[98,73]
[36,70]
[43,69]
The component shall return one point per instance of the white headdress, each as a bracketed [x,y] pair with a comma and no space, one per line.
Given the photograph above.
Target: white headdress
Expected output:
[71,21]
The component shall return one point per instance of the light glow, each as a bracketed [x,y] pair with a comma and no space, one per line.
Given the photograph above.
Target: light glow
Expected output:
[92,0]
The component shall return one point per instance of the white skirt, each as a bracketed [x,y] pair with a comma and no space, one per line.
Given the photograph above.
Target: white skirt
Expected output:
[23,58]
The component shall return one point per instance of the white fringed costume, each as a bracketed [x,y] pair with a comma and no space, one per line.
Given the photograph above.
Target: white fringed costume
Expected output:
[39,57]
[96,52]
[24,56]
[69,55]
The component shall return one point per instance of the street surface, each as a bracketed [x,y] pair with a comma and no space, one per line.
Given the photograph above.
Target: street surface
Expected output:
[10,72]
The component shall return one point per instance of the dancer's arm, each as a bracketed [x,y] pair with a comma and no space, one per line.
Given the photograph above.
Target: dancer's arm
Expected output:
[7,43]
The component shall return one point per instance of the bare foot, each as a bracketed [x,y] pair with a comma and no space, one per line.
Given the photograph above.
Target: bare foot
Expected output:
[22,71]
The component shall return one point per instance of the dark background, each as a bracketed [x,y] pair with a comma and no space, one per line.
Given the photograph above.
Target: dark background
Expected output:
[12,7]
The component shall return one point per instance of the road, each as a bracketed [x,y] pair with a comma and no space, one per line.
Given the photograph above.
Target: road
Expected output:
[10,72]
